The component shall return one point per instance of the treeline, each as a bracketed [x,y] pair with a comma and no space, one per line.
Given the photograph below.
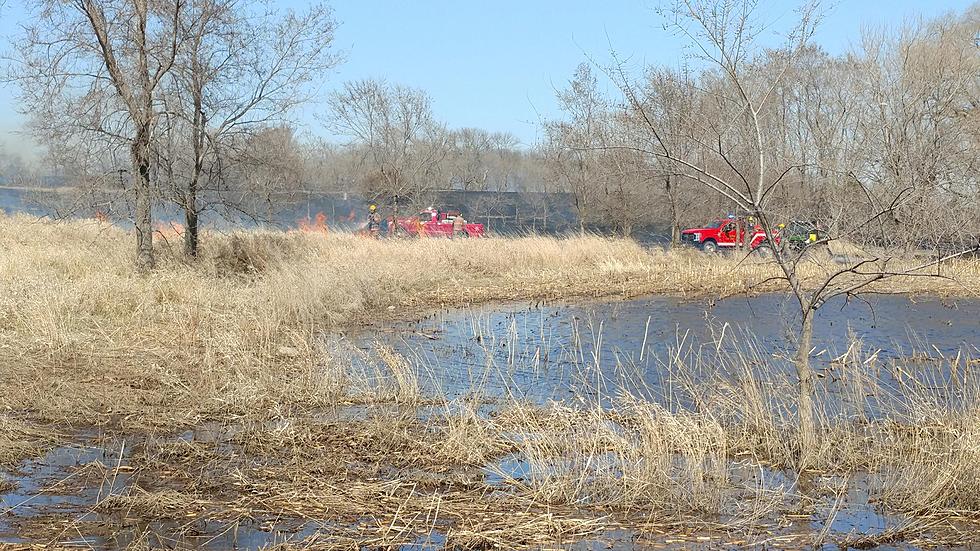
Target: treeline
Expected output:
[195,105]
[883,141]
[468,159]
[891,127]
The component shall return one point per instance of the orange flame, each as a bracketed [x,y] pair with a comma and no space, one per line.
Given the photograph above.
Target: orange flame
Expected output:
[168,230]
[317,225]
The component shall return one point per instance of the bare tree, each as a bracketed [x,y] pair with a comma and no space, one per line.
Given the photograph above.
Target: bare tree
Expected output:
[920,82]
[393,128]
[13,169]
[478,160]
[624,198]
[266,167]
[573,143]
[329,167]
[667,101]
[597,156]
[737,154]
[244,66]
[91,70]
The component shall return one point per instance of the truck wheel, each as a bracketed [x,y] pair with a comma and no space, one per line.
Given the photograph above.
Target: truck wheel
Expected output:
[709,246]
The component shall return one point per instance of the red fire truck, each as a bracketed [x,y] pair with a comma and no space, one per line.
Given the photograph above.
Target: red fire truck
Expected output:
[725,233]
[434,223]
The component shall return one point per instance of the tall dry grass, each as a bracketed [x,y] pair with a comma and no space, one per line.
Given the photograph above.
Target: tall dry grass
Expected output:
[236,337]
[718,445]
[85,338]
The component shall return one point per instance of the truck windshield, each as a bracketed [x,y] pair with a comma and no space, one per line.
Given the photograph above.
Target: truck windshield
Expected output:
[715,225]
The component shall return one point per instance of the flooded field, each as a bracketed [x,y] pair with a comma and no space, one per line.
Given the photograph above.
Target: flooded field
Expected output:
[544,351]
[537,410]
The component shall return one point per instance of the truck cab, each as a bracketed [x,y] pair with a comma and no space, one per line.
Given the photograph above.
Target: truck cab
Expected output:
[437,223]
[725,233]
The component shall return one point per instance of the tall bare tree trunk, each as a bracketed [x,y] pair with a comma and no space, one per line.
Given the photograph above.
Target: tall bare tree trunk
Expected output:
[141,183]
[806,389]
[675,230]
[394,218]
[190,197]
[191,219]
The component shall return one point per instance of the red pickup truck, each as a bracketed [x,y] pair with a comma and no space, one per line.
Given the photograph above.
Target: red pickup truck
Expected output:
[435,223]
[726,233]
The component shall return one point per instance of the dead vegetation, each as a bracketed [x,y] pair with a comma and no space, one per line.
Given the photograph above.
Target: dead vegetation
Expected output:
[20,440]
[712,461]
[239,420]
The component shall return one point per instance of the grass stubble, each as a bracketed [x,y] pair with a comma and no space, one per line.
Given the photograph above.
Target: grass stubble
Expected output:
[217,401]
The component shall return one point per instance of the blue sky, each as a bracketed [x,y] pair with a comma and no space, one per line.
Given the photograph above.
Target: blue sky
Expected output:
[496,65]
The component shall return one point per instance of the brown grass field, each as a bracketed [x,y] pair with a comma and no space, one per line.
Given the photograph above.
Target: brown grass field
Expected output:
[283,434]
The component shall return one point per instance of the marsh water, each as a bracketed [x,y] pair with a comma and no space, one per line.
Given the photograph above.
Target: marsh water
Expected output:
[550,351]
[537,352]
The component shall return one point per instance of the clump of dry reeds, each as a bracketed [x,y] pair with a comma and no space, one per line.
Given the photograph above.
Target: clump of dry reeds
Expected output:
[150,505]
[639,457]
[20,440]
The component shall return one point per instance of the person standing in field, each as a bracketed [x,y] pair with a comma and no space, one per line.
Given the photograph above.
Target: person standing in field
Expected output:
[459,225]
[374,221]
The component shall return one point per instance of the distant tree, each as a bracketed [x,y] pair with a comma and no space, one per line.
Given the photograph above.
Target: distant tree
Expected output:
[244,67]
[574,144]
[624,198]
[666,97]
[400,142]
[329,167]
[479,160]
[12,167]
[90,70]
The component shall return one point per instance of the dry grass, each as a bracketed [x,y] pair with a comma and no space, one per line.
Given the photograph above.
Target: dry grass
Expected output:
[236,340]
[718,468]
[146,505]
[20,440]
[85,339]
